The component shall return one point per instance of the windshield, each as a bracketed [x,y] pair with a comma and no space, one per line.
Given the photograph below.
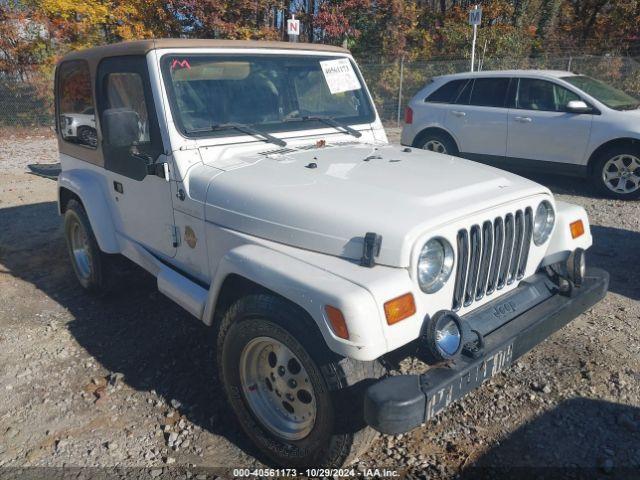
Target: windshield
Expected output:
[271,93]
[610,96]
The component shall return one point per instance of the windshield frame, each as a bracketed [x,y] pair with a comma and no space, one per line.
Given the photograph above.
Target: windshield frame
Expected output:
[280,127]
[579,87]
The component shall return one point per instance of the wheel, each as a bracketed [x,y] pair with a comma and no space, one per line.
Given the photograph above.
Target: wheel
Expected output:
[90,265]
[437,142]
[616,172]
[297,402]
[88,136]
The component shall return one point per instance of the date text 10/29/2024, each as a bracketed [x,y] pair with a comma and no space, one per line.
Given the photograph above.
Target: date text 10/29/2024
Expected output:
[316,472]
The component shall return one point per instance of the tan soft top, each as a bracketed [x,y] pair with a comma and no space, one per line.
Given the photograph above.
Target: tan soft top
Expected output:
[142,47]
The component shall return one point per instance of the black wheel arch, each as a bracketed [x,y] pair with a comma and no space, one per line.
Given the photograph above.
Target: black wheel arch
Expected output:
[235,286]
[64,195]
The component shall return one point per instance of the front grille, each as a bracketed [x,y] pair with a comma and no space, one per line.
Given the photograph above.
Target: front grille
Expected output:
[491,256]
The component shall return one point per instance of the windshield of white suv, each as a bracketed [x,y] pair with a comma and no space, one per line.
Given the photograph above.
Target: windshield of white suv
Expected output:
[610,96]
[270,93]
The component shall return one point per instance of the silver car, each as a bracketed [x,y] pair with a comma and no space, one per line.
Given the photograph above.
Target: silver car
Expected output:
[535,120]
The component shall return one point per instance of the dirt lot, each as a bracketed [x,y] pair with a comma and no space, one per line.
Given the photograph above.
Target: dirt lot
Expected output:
[127,380]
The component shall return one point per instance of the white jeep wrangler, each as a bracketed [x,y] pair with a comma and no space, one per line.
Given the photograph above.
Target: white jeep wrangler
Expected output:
[255,182]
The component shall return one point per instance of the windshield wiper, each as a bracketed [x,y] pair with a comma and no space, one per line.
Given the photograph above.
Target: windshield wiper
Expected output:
[241,127]
[329,121]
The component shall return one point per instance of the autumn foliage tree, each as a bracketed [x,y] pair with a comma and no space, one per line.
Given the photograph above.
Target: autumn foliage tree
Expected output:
[380,33]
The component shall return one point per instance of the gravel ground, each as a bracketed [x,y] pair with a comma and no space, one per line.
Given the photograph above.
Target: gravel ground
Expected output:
[127,380]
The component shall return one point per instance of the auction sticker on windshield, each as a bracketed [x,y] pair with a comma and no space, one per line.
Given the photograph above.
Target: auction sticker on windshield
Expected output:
[339,75]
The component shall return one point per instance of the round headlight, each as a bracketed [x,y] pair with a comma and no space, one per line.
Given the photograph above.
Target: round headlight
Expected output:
[434,265]
[543,222]
[444,335]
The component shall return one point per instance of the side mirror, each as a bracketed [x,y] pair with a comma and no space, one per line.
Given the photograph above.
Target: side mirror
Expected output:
[121,127]
[578,106]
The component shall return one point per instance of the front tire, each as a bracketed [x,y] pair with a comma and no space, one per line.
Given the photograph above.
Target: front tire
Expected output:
[90,264]
[616,172]
[300,404]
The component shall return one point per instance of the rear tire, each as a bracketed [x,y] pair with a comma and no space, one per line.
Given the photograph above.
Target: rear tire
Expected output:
[437,142]
[91,266]
[264,342]
[616,172]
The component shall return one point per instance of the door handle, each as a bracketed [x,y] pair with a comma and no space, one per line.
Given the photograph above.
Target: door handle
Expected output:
[523,119]
[458,113]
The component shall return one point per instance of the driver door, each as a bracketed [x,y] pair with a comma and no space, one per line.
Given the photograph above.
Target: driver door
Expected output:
[540,127]
[141,202]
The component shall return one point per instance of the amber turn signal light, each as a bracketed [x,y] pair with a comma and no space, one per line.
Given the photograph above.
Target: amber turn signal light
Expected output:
[338,324]
[399,308]
[577,229]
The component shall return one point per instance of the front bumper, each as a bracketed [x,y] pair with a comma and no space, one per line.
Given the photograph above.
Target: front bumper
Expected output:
[401,403]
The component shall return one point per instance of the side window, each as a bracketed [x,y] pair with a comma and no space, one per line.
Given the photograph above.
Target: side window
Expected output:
[535,94]
[564,96]
[448,92]
[489,92]
[131,139]
[512,92]
[76,112]
[125,91]
[465,95]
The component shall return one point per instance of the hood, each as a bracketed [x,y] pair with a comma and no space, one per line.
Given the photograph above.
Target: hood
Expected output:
[327,199]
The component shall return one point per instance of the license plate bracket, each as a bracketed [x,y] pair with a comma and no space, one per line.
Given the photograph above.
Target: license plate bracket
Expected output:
[468,379]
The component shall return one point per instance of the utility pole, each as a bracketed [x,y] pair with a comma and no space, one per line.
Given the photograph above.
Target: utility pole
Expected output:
[400,89]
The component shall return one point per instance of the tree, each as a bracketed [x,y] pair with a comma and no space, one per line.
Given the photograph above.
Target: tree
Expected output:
[234,19]
[548,18]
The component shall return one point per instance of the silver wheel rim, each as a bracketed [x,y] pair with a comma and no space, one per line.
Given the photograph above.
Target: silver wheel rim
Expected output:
[80,249]
[621,174]
[277,388]
[435,146]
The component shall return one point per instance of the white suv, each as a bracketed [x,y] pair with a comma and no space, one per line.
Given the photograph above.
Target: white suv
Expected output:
[534,120]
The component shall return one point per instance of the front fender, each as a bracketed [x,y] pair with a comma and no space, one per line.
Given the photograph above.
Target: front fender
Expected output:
[311,288]
[561,243]
[89,187]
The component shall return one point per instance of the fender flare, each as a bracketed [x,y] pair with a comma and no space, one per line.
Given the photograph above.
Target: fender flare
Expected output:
[311,288]
[561,244]
[88,187]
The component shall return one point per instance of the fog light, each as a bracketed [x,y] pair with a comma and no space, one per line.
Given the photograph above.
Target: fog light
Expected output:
[443,335]
[576,266]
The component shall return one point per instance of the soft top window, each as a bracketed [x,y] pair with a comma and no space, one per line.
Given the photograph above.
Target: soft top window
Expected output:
[76,113]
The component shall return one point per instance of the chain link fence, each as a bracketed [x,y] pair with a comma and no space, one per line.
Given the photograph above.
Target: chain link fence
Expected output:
[393,84]
[26,97]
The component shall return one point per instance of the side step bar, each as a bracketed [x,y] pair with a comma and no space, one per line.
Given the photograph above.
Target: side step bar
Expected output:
[189,295]
[186,293]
